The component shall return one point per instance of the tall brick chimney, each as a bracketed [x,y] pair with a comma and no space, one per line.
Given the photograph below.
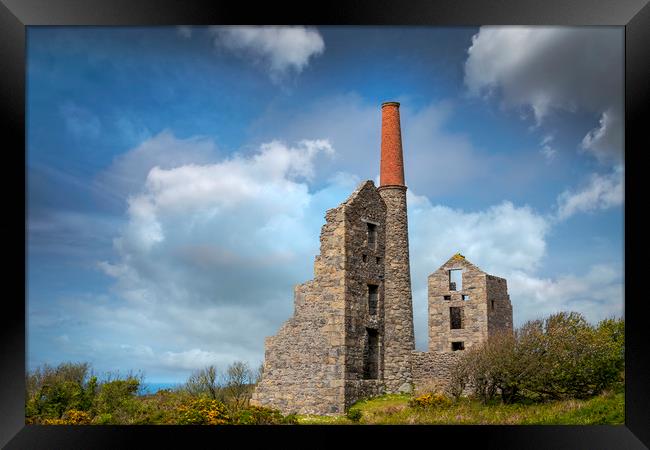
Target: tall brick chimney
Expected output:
[399,338]
[392,160]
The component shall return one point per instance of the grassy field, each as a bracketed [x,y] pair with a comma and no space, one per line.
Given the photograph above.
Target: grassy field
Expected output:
[607,408]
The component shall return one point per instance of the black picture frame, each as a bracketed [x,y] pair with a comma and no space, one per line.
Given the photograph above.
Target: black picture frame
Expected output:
[15,15]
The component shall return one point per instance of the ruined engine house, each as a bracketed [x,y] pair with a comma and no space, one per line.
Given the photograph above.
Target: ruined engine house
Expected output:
[351,334]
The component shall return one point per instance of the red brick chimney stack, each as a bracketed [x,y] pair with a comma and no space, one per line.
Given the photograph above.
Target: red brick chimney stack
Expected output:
[392,161]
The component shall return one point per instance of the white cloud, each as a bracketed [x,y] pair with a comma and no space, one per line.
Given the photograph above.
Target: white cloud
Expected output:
[609,135]
[602,192]
[547,150]
[279,48]
[127,171]
[209,253]
[597,294]
[502,237]
[555,68]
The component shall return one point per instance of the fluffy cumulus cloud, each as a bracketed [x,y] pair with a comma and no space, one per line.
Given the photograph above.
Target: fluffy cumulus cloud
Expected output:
[126,173]
[601,192]
[548,69]
[279,49]
[597,293]
[205,264]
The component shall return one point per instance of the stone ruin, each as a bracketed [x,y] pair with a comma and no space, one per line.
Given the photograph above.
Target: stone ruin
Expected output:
[351,334]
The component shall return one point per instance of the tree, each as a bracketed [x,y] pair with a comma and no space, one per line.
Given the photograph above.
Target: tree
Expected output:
[238,383]
[204,382]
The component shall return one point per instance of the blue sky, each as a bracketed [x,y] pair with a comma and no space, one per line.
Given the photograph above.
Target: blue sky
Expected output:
[178,177]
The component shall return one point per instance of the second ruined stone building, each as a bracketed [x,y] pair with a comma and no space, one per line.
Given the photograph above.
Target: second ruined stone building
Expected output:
[351,334]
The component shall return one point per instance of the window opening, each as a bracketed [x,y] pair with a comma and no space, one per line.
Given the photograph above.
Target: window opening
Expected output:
[456,280]
[456,317]
[371,355]
[373,295]
[457,346]
[372,235]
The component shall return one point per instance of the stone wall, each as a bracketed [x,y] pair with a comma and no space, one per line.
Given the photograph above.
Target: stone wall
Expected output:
[365,262]
[474,308]
[432,367]
[499,306]
[399,335]
[317,362]
[303,362]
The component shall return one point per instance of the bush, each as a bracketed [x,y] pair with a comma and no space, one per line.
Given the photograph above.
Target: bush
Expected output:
[71,417]
[430,400]
[51,391]
[259,415]
[203,411]
[562,356]
[354,414]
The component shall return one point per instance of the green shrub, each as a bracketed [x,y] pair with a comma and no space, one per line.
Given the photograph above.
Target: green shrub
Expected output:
[354,414]
[51,391]
[117,402]
[290,419]
[203,411]
[259,415]
[562,356]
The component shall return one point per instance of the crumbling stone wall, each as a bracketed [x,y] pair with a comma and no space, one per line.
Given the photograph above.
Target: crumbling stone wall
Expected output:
[315,363]
[303,363]
[499,305]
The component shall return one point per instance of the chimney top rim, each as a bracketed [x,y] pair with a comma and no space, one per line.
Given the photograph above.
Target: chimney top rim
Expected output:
[390,104]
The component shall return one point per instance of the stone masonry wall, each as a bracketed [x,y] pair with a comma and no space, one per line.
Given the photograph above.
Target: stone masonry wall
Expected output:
[474,310]
[304,362]
[431,367]
[398,328]
[499,306]
[364,266]
[315,363]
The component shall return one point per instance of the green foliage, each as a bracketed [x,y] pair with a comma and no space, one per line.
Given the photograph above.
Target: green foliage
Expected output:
[117,402]
[203,411]
[51,391]
[354,414]
[561,360]
[560,357]
[258,415]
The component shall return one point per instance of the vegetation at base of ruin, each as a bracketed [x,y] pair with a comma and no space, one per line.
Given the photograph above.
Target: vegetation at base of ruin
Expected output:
[71,394]
[608,408]
[560,357]
[557,370]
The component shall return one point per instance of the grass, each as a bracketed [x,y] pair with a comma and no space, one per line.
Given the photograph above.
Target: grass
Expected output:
[607,408]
